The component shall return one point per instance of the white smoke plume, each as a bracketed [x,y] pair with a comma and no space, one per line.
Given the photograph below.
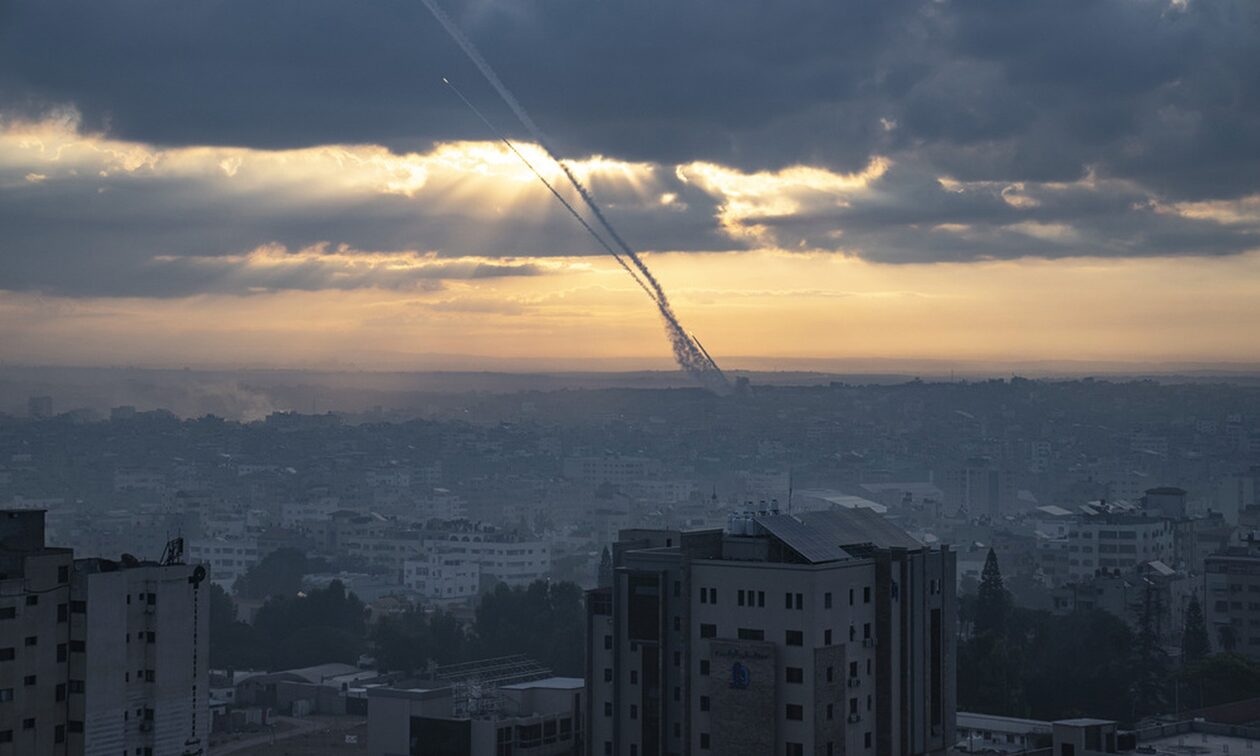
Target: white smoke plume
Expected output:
[689,356]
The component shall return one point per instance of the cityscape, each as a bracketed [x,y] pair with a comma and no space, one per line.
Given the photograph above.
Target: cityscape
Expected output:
[569,378]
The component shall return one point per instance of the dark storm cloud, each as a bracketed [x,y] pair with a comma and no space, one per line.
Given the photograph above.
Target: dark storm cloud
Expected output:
[1156,102]
[992,89]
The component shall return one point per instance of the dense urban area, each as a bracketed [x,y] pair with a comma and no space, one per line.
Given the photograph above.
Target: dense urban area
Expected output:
[568,571]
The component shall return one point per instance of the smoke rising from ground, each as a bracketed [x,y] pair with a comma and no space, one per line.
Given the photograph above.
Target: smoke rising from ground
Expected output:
[690,357]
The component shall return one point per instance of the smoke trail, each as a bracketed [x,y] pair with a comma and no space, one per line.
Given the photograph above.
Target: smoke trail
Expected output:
[503,138]
[688,356]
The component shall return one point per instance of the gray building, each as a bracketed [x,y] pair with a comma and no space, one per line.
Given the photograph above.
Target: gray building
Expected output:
[97,656]
[1231,584]
[825,633]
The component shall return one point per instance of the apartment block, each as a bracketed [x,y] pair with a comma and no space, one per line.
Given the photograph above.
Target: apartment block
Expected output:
[825,633]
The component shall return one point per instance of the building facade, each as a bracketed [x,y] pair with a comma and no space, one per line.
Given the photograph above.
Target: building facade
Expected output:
[826,633]
[97,656]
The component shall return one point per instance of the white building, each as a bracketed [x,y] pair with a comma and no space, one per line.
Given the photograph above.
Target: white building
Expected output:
[226,559]
[442,578]
[139,656]
[1116,542]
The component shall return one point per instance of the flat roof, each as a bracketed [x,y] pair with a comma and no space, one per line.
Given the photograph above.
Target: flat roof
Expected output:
[551,683]
[1200,744]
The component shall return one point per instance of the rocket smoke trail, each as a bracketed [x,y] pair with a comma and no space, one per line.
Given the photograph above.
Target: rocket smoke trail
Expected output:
[550,188]
[692,359]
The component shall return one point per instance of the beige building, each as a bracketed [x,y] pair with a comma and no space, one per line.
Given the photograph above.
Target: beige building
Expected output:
[825,633]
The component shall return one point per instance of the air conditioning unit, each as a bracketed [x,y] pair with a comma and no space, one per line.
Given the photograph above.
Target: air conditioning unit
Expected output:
[855,718]
[855,682]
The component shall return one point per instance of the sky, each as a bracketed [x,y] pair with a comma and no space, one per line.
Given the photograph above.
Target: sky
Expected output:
[290,183]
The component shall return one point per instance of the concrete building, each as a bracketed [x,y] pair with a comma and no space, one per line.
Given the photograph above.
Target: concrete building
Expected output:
[34,640]
[443,578]
[1116,542]
[227,559]
[139,657]
[1231,584]
[98,657]
[825,633]
[541,717]
[979,487]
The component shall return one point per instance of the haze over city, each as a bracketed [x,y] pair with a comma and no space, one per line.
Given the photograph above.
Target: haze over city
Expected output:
[629,378]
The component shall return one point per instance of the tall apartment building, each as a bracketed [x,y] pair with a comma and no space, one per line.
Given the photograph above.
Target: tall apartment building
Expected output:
[1116,542]
[1231,584]
[830,632]
[34,639]
[97,656]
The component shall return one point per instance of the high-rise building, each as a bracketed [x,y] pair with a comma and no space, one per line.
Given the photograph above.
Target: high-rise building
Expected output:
[97,656]
[34,638]
[825,633]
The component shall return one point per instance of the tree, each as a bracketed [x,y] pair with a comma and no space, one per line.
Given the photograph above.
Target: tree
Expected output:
[326,625]
[1220,678]
[279,573]
[1150,662]
[992,601]
[605,569]
[232,642]
[1194,636]
[545,621]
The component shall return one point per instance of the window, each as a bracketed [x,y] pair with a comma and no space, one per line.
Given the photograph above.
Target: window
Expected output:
[608,708]
[827,600]
[6,694]
[78,647]
[63,574]
[853,706]
[850,597]
[74,726]
[749,633]
[607,748]
[704,703]
[708,631]
[831,712]
[866,595]
[853,669]
[739,597]
[76,686]
[60,693]
[61,652]
[59,734]
[866,740]
[32,600]
[28,724]
[794,674]
[8,612]
[761,599]
[827,637]
[607,642]
[794,749]
[607,674]
[78,607]
[831,674]
[29,680]
[6,654]
[63,612]
[634,677]
[634,711]
[866,630]
[704,666]
[704,741]
[32,640]
[795,712]
[787,601]
[6,736]
[794,638]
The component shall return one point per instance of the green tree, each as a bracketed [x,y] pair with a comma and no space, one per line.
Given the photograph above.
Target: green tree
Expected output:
[545,621]
[605,576]
[326,625]
[1218,679]
[993,603]
[232,642]
[1150,662]
[279,573]
[1194,636]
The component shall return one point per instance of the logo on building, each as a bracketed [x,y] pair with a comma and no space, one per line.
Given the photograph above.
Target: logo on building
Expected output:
[740,676]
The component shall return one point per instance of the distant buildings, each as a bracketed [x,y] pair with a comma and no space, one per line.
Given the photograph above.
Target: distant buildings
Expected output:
[96,656]
[827,633]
